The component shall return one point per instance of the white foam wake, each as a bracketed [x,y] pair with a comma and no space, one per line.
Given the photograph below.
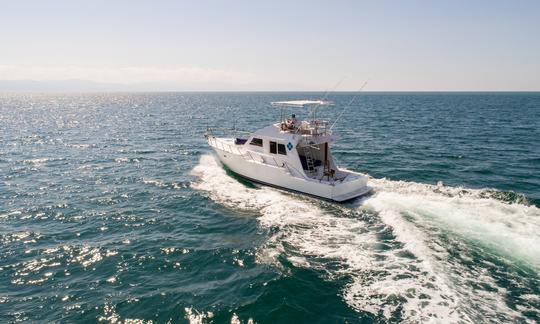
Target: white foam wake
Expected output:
[420,215]
[395,268]
[509,229]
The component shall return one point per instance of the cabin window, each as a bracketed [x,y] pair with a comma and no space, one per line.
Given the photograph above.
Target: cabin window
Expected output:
[256,142]
[281,149]
[276,148]
[273,147]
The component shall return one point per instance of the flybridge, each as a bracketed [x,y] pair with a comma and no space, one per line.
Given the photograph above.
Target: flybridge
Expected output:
[312,127]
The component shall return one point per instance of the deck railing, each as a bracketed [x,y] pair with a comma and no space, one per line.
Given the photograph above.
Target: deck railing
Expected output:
[316,128]
[212,140]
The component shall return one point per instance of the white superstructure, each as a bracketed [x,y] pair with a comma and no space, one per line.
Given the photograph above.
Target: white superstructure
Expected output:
[293,155]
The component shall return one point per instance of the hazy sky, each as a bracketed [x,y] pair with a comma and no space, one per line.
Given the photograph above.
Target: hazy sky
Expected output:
[275,45]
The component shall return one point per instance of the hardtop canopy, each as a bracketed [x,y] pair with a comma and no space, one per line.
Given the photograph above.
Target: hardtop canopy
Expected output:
[300,103]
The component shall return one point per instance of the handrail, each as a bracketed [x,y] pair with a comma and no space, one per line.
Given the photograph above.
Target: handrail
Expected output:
[228,130]
[295,169]
[224,146]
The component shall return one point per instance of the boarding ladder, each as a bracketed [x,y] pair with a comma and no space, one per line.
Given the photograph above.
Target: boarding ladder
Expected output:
[309,160]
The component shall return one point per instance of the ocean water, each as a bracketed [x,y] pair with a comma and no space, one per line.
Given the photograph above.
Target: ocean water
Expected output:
[113,209]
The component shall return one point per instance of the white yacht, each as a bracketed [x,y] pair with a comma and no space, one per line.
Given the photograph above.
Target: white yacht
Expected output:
[291,154]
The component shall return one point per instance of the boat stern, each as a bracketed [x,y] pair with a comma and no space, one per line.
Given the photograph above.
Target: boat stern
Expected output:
[354,185]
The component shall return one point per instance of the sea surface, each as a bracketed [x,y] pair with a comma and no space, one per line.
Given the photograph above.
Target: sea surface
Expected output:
[113,209]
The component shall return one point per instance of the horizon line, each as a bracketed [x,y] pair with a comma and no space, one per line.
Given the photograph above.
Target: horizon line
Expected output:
[263,91]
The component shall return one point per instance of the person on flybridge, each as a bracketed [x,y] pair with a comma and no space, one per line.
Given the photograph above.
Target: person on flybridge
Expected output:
[291,123]
[293,119]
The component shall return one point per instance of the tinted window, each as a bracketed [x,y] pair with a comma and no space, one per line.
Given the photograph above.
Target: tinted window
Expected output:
[273,147]
[281,149]
[256,142]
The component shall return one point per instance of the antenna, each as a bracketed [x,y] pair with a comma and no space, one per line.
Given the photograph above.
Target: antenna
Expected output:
[350,103]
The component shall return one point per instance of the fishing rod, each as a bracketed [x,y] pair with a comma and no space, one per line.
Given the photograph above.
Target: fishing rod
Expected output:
[350,103]
[326,94]
[333,88]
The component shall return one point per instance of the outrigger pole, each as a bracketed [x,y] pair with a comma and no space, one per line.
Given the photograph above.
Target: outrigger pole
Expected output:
[350,103]
[314,110]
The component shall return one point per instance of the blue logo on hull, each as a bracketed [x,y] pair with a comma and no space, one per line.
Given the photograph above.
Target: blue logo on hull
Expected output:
[289,146]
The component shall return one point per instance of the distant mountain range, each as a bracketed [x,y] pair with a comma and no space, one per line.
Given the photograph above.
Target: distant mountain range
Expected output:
[60,86]
[76,85]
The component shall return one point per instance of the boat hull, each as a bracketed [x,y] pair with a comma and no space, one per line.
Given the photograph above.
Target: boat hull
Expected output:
[281,178]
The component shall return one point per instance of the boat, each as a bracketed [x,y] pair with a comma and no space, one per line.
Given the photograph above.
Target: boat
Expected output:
[291,154]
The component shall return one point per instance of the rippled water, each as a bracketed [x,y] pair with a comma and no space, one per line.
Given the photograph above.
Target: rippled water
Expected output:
[112,208]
